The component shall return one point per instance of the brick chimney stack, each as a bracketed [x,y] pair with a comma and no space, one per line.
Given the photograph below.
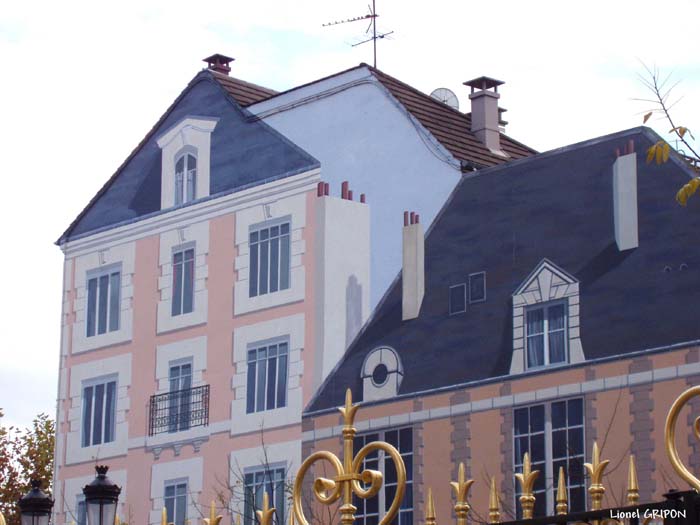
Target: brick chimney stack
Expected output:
[219,63]
[485,113]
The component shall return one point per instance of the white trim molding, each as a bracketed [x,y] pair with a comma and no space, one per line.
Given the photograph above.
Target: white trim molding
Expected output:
[191,470]
[122,256]
[246,337]
[119,367]
[547,282]
[256,216]
[192,132]
[192,236]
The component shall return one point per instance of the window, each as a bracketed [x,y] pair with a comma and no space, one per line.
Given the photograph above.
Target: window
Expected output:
[179,408]
[183,282]
[546,334]
[267,377]
[99,407]
[185,179]
[175,497]
[270,480]
[553,435]
[269,259]
[458,299]
[477,287]
[103,302]
[370,511]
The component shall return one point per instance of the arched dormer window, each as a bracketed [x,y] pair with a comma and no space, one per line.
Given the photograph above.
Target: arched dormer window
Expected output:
[185,178]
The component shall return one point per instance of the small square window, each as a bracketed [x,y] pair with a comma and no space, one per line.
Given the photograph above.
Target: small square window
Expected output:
[458,299]
[477,287]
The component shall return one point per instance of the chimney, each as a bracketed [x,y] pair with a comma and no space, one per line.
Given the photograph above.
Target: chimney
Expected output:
[625,199]
[219,63]
[413,274]
[485,113]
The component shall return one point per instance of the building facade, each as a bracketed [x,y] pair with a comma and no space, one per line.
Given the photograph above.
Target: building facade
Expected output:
[550,306]
[213,283]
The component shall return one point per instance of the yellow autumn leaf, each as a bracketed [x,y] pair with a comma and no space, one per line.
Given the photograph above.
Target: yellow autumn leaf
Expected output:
[646,117]
[667,151]
[687,191]
[650,153]
[659,153]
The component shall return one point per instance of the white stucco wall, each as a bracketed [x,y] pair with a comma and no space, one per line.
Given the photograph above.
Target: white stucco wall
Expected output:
[358,132]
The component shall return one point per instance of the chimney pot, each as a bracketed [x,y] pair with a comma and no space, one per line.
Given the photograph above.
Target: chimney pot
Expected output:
[485,115]
[219,63]
[405,218]
[362,198]
[326,189]
[344,189]
[349,195]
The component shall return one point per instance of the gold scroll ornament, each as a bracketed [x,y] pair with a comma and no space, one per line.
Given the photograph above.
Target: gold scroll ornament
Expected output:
[349,479]
[670,436]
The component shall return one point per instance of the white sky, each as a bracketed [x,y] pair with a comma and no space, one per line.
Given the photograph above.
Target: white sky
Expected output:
[82,83]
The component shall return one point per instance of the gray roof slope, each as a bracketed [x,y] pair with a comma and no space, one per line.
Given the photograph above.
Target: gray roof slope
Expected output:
[244,152]
[504,220]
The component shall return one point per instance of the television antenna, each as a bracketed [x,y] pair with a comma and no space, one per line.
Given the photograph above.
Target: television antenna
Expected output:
[372,17]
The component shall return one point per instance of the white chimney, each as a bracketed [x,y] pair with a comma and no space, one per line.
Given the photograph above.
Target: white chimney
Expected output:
[485,114]
[413,274]
[625,199]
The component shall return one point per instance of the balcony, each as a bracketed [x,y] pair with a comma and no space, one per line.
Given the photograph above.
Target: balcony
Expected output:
[179,410]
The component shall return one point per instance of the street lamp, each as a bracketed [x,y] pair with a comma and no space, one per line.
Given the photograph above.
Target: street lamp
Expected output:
[100,498]
[35,506]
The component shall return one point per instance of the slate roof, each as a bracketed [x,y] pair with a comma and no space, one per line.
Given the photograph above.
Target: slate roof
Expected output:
[504,221]
[449,126]
[244,152]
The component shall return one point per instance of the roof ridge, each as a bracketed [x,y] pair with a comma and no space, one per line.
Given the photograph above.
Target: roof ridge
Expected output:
[222,76]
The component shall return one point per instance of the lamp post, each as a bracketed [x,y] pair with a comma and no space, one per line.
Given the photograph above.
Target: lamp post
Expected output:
[35,506]
[101,498]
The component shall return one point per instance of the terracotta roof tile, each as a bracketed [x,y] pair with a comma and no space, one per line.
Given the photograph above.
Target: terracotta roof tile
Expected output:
[243,92]
[449,126]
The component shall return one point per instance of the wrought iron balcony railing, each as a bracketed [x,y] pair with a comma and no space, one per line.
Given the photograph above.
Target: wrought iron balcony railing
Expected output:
[179,410]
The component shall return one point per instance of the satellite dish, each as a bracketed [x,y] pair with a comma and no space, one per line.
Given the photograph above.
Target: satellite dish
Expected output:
[446,96]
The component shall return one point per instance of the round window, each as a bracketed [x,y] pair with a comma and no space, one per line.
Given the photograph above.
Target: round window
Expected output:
[380,374]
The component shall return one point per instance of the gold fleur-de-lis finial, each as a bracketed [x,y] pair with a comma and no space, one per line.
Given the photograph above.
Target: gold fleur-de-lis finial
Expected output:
[349,409]
[632,483]
[527,482]
[213,518]
[238,519]
[117,521]
[430,518]
[494,513]
[2,519]
[461,488]
[164,516]
[265,515]
[595,471]
[562,500]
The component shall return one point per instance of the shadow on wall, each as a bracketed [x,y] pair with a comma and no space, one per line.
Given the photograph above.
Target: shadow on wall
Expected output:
[353,309]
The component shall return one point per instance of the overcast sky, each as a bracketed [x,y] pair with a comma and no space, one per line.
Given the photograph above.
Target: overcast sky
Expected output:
[82,83]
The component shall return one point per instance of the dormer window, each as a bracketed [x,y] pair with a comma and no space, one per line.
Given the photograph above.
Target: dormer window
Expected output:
[185,178]
[546,320]
[185,158]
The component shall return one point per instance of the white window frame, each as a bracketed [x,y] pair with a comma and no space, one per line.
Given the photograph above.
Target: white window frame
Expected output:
[545,307]
[256,375]
[278,473]
[383,459]
[184,192]
[175,483]
[550,477]
[97,275]
[255,248]
[93,383]
[184,249]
